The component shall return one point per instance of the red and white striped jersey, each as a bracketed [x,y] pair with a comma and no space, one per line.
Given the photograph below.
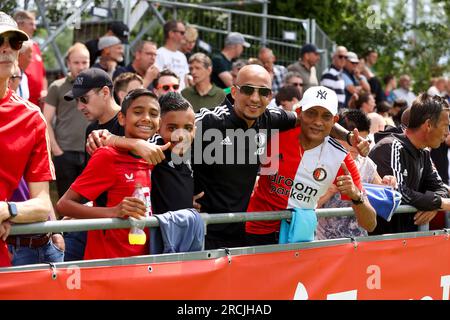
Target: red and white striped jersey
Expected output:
[301,177]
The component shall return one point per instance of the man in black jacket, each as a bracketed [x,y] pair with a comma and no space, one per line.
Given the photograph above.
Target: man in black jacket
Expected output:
[405,156]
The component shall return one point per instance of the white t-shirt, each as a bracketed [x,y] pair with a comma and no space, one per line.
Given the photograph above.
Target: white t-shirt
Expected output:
[175,61]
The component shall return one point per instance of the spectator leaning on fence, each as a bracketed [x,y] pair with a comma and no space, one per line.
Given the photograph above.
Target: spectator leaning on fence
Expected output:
[406,156]
[21,121]
[350,226]
[307,163]
[116,172]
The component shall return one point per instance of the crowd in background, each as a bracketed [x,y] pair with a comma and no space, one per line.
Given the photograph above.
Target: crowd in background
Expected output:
[372,102]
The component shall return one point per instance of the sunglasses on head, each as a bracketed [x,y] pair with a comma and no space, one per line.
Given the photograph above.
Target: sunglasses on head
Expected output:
[167,87]
[14,41]
[248,90]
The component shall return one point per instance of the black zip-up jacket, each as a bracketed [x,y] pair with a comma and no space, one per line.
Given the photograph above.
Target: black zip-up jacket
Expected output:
[418,181]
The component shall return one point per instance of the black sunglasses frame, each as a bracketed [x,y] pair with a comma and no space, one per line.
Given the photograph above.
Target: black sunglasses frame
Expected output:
[248,90]
[13,41]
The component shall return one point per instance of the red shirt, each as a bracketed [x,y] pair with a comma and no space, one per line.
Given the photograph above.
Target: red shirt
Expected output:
[117,173]
[25,148]
[36,74]
[298,178]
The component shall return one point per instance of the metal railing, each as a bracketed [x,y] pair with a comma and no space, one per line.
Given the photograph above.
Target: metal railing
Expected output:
[217,218]
[95,224]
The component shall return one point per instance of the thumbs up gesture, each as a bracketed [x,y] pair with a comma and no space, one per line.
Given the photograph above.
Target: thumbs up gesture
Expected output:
[345,185]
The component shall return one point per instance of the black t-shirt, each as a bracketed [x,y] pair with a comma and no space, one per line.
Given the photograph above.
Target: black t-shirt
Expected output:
[220,64]
[172,183]
[229,179]
[92,46]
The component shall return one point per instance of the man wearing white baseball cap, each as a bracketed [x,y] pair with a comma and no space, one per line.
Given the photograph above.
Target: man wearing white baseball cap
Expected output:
[25,150]
[309,162]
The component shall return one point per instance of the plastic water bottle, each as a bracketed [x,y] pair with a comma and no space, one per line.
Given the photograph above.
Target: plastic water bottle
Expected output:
[137,235]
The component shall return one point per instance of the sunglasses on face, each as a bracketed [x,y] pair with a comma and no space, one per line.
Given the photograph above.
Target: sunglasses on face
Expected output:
[248,90]
[16,76]
[167,87]
[85,99]
[180,32]
[342,56]
[296,84]
[14,42]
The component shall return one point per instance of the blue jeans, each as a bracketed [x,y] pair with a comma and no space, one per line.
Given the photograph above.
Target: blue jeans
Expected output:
[44,254]
[75,244]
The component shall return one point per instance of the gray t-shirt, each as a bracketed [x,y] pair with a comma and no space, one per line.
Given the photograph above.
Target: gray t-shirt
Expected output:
[70,124]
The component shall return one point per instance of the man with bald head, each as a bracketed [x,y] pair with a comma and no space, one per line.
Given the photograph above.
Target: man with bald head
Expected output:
[226,168]
[228,146]
[332,77]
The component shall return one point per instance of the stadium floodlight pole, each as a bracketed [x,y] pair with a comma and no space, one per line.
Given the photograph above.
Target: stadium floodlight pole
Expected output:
[69,21]
[58,54]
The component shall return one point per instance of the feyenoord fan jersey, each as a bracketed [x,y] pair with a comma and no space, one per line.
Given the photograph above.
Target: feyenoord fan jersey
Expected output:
[299,178]
[117,173]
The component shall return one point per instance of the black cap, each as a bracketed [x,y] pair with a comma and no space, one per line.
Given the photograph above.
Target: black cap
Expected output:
[120,30]
[87,80]
[307,48]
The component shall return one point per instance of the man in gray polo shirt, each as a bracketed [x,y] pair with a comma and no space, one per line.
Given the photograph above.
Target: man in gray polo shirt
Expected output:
[67,132]
[309,56]
[203,94]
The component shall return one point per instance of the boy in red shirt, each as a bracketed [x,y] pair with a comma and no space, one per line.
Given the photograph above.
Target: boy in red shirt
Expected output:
[116,172]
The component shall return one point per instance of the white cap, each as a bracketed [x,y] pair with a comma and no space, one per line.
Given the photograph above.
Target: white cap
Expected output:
[352,57]
[320,96]
[108,41]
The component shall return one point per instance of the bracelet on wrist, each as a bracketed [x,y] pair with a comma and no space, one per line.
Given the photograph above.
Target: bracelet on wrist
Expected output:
[348,138]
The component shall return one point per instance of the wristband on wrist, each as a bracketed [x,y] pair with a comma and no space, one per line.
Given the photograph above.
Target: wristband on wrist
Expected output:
[348,138]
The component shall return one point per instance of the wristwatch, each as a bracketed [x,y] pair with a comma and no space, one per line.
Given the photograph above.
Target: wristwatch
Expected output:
[360,199]
[12,208]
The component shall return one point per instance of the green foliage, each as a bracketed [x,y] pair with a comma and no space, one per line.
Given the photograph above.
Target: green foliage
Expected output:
[404,48]
[8,6]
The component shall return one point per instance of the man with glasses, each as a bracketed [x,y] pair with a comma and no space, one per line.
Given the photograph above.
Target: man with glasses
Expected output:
[332,77]
[143,63]
[21,121]
[227,148]
[169,56]
[354,82]
[167,81]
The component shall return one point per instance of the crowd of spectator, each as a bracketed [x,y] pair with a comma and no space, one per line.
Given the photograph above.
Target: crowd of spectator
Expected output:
[107,127]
